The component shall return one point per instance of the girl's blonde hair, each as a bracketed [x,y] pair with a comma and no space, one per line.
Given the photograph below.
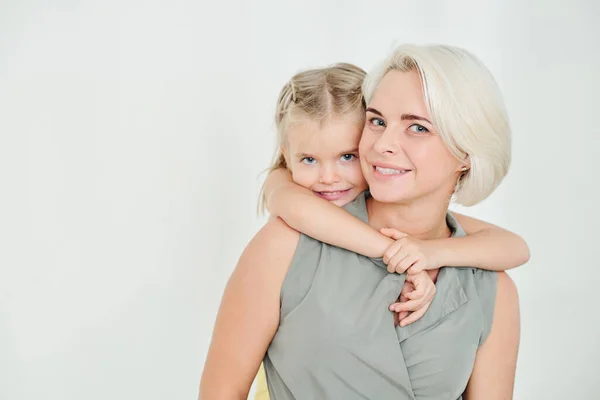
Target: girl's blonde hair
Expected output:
[467,109]
[316,95]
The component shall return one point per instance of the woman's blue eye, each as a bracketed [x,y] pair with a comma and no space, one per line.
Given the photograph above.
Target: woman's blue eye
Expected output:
[348,157]
[416,128]
[308,160]
[377,121]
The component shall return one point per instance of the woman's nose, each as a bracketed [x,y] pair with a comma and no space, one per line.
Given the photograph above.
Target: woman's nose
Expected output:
[388,142]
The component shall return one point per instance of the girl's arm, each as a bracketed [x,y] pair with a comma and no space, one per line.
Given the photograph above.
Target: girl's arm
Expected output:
[486,246]
[251,300]
[309,214]
[493,375]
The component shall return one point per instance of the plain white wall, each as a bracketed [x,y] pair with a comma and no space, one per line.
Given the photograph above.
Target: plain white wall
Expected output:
[132,138]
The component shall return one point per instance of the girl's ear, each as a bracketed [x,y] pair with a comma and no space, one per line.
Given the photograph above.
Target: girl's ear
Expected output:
[285,155]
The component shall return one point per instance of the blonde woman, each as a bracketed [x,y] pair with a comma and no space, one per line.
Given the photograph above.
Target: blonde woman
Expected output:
[326,308]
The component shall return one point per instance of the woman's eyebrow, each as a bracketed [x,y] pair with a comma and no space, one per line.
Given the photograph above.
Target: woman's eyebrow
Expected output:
[374,111]
[403,117]
[413,117]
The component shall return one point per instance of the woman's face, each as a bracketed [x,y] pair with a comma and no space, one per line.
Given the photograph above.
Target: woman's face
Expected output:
[324,158]
[402,156]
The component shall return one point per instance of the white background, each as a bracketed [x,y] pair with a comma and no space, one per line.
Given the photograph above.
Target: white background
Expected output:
[133,134]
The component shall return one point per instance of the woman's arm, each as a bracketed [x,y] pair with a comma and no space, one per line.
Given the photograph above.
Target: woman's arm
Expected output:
[250,301]
[309,214]
[493,376]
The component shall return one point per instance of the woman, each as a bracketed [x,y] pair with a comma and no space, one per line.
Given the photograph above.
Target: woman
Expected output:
[432,113]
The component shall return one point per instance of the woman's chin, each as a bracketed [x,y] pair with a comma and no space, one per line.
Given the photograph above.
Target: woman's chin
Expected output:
[385,195]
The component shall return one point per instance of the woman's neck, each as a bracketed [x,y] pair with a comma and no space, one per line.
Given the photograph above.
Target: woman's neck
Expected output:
[422,219]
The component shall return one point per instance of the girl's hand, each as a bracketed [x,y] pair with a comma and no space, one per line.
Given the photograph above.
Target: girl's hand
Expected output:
[414,300]
[408,254]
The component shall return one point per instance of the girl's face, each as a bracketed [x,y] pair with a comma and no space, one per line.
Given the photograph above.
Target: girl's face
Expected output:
[402,156]
[324,158]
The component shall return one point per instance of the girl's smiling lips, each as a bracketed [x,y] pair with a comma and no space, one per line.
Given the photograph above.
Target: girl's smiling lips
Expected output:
[331,195]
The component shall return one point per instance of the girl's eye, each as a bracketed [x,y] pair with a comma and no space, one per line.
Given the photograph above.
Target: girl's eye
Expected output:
[348,157]
[376,121]
[308,160]
[416,128]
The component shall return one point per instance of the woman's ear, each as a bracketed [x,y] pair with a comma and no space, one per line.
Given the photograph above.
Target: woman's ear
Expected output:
[466,164]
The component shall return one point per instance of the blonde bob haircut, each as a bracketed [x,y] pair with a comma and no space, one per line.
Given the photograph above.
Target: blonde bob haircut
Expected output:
[467,109]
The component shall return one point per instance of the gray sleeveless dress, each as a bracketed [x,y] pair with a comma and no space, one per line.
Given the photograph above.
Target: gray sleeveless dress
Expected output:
[336,337]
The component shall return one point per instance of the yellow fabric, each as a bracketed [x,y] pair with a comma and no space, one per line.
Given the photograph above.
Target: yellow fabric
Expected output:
[262,392]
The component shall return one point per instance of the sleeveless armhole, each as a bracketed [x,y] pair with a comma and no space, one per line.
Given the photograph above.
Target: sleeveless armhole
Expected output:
[486,283]
[300,275]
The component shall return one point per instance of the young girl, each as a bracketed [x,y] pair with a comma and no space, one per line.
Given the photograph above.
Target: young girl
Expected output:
[320,116]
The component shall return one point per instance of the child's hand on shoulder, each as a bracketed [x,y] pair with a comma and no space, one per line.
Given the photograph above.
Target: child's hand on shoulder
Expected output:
[408,254]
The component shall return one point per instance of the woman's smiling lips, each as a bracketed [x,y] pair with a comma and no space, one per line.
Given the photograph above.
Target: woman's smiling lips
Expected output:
[388,171]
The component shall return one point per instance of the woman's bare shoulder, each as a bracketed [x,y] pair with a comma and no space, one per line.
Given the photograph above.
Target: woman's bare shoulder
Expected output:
[276,233]
[507,296]
[273,246]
